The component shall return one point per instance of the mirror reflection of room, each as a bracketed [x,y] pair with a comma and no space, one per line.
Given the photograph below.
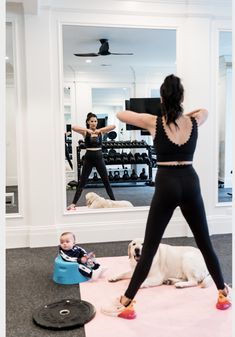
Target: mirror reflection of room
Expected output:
[11,200]
[104,86]
[225,170]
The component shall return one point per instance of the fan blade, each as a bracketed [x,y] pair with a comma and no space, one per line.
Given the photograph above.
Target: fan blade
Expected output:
[121,54]
[87,55]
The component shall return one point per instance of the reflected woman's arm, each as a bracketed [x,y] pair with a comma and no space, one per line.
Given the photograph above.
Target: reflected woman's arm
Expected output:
[105,129]
[82,131]
[142,120]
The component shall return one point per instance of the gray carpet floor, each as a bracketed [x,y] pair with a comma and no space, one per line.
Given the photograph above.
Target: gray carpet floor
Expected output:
[29,281]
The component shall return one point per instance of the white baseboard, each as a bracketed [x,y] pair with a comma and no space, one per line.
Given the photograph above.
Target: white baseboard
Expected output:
[45,236]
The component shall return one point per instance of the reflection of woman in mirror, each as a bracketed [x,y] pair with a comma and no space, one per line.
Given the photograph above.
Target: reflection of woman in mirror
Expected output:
[93,156]
[67,154]
[177,184]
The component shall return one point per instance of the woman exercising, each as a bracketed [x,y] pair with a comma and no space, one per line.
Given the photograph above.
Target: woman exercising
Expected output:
[93,156]
[177,184]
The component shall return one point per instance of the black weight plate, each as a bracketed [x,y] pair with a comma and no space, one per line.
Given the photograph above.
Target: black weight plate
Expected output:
[112,135]
[63,315]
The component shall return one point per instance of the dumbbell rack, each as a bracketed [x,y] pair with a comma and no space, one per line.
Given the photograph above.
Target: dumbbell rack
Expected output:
[120,145]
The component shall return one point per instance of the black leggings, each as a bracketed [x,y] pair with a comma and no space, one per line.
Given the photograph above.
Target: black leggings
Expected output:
[175,186]
[93,159]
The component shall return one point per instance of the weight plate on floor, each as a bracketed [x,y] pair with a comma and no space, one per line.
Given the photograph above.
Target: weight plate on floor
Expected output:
[63,315]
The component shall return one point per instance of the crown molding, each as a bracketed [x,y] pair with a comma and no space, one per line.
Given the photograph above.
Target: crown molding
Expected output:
[220,9]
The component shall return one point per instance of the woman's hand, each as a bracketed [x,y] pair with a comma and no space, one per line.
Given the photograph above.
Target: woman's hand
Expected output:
[96,132]
[90,132]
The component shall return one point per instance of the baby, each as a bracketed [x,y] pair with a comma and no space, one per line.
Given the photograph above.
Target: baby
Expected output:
[71,252]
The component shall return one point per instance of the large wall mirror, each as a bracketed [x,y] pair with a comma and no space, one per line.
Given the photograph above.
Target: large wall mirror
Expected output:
[102,84]
[224,109]
[12,181]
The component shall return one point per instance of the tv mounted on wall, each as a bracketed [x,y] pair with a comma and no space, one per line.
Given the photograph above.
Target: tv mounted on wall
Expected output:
[143,105]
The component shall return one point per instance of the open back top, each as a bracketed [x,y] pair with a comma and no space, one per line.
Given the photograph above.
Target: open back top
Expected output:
[167,150]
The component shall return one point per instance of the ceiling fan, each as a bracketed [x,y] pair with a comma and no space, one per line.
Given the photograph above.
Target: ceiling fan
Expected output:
[103,51]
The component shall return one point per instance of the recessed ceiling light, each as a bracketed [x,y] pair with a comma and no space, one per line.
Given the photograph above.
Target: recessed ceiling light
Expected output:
[88,61]
[6,58]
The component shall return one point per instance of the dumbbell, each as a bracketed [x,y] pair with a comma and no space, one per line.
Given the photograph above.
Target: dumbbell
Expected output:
[116,175]
[110,160]
[125,175]
[143,175]
[81,144]
[138,158]
[105,156]
[145,158]
[118,158]
[111,176]
[131,158]
[95,177]
[73,183]
[134,175]
[124,157]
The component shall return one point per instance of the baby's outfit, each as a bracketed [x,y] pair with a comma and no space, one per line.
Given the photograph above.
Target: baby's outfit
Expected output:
[91,269]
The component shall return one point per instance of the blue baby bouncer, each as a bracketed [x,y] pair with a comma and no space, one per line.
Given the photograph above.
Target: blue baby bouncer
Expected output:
[67,272]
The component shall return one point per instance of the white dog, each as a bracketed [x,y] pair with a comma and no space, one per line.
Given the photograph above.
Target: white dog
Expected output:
[93,200]
[182,266]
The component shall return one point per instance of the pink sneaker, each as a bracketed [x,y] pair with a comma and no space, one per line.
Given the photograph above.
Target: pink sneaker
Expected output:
[116,309]
[223,302]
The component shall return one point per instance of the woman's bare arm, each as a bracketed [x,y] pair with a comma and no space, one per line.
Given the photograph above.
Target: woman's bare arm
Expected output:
[142,120]
[105,129]
[80,130]
[200,115]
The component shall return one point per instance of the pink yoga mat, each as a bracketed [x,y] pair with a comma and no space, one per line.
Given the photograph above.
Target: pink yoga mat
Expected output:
[162,311]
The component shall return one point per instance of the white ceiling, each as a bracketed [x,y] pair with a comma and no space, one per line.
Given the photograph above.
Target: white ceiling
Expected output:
[151,47]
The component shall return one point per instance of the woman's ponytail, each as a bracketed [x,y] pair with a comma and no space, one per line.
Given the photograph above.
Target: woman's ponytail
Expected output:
[172,93]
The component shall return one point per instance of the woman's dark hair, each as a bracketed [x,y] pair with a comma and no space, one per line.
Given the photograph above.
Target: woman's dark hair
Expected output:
[88,117]
[172,93]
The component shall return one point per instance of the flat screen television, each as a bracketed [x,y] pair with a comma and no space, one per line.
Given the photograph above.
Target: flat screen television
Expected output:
[143,105]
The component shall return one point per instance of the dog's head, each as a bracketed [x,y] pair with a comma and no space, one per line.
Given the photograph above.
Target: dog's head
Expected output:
[90,198]
[135,249]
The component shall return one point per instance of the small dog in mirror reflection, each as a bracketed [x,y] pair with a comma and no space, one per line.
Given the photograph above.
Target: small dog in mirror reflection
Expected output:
[93,200]
[182,266]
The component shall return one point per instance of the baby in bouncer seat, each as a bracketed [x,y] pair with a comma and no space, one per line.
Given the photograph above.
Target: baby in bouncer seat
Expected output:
[71,252]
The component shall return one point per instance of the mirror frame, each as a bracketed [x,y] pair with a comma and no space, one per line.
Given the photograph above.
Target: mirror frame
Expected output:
[17,61]
[216,91]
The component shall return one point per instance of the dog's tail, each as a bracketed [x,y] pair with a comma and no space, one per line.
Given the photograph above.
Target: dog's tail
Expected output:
[206,281]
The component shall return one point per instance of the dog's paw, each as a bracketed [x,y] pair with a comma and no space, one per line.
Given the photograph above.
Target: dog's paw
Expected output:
[168,282]
[180,285]
[113,279]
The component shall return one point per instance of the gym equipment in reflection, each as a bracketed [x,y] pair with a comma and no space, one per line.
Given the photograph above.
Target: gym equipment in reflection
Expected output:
[116,153]
[64,315]
[125,175]
[143,175]
[68,148]
[134,175]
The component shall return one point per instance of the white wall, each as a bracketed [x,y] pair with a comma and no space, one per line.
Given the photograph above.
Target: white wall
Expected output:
[43,215]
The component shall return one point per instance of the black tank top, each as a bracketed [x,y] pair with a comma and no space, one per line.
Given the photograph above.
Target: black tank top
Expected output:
[93,142]
[166,150]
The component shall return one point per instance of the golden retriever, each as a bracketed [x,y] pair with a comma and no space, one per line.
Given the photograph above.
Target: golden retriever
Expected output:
[182,266]
[93,200]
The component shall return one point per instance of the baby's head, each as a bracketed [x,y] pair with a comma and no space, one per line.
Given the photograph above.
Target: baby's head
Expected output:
[67,240]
